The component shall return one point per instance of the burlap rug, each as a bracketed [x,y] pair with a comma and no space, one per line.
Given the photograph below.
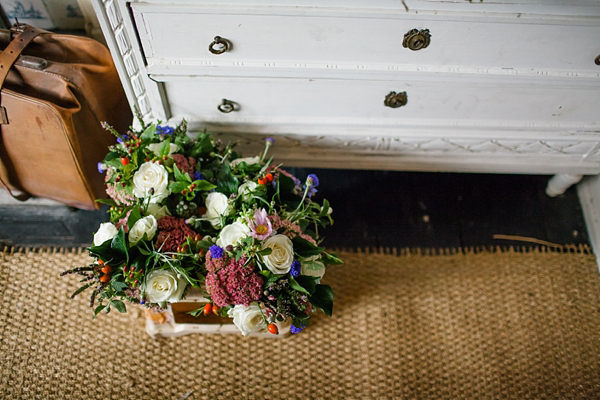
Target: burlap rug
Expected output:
[501,324]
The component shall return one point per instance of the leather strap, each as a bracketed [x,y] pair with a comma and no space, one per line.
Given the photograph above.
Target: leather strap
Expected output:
[7,59]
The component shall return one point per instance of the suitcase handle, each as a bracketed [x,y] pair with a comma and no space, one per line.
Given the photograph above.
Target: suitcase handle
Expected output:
[7,59]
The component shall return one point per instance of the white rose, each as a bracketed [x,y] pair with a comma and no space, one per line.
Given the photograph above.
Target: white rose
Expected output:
[155,148]
[105,232]
[157,211]
[313,266]
[248,319]
[232,233]
[247,160]
[245,190]
[146,225]
[282,254]
[151,175]
[162,285]
[217,205]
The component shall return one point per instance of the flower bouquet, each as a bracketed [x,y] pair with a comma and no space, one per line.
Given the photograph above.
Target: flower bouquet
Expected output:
[190,215]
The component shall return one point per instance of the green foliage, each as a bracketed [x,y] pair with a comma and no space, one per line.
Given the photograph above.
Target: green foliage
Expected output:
[322,298]
[303,248]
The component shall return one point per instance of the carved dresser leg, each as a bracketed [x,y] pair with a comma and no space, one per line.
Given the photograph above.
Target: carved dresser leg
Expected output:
[559,183]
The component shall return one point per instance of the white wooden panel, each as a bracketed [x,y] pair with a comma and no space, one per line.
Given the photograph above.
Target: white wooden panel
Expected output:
[442,103]
[355,41]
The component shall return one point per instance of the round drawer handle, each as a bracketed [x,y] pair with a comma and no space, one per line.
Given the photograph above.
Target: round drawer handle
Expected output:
[395,100]
[226,106]
[219,45]
[597,60]
[416,39]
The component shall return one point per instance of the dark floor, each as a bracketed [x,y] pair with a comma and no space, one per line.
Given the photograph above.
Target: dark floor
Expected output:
[375,209]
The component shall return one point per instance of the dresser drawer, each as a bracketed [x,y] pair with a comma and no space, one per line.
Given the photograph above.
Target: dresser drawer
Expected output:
[301,42]
[276,102]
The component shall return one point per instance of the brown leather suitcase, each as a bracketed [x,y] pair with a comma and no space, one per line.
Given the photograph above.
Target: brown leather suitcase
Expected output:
[56,92]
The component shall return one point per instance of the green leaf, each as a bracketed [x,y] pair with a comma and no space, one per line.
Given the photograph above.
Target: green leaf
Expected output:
[265,252]
[308,283]
[110,202]
[81,289]
[304,248]
[115,162]
[322,298]
[134,216]
[98,309]
[286,184]
[119,305]
[330,259]
[180,176]
[177,187]
[304,284]
[111,156]
[273,278]
[164,148]
[204,185]
[227,183]
[119,245]
[149,132]
[119,286]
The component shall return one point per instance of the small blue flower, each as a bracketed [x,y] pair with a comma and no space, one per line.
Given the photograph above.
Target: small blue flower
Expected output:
[122,138]
[101,168]
[198,176]
[270,140]
[164,130]
[216,251]
[296,268]
[311,191]
[312,180]
[142,301]
[297,329]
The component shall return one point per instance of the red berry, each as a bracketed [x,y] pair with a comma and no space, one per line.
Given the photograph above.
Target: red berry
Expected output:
[273,329]
[124,160]
[207,309]
[100,262]
[107,269]
[262,181]
[104,278]
[269,177]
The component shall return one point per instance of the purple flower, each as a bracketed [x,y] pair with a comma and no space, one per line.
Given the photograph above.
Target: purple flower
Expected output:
[296,329]
[101,168]
[122,138]
[198,176]
[216,251]
[296,268]
[260,226]
[312,180]
[164,130]
[270,140]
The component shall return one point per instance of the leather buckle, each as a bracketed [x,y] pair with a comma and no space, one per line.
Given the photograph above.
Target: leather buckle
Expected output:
[3,116]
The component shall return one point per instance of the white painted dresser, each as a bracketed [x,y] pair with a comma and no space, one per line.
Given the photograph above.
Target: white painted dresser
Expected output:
[496,86]
[507,86]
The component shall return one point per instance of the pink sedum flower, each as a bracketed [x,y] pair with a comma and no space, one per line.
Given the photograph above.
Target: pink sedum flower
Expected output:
[260,227]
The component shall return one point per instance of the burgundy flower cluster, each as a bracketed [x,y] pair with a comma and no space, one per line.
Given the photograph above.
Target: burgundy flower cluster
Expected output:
[185,164]
[172,232]
[230,282]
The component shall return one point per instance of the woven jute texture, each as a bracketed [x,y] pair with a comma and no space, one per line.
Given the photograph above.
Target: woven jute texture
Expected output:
[501,324]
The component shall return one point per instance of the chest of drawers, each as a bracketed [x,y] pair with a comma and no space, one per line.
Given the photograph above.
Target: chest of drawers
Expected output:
[504,86]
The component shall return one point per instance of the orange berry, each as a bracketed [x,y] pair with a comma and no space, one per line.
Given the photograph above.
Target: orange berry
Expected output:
[207,309]
[273,329]
[104,278]
[100,262]
[107,269]
[216,309]
[262,181]
[202,252]
[269,177]
[124,160]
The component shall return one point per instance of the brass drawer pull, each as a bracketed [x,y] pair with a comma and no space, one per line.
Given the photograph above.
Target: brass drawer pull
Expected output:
[219,45]
[395,100]
[416,39]
[226,106]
